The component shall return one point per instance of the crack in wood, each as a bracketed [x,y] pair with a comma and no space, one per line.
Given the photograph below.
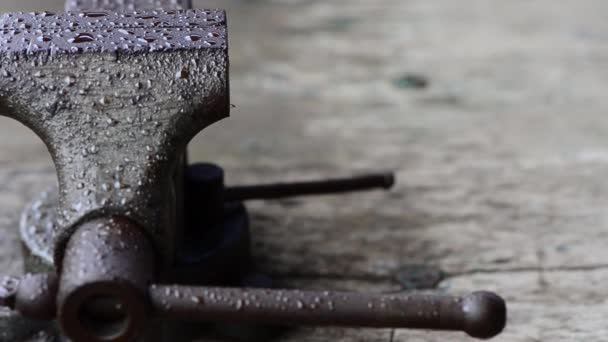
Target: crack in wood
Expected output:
[532,269]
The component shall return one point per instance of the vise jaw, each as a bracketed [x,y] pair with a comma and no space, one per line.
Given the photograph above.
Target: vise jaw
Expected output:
[116,98]
[126,5]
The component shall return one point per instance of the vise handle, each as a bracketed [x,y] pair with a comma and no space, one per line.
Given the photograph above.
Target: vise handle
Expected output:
[105,292]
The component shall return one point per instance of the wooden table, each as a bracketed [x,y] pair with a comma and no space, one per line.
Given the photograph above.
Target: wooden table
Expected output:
[501,157]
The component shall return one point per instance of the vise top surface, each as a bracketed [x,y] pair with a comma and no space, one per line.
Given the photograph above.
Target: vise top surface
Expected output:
[116,97]
[101,31]
[128,5]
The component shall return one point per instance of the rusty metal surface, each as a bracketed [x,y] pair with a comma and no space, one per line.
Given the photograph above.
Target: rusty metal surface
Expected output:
[115,108]
[108,262]
[481,314]
[128,5]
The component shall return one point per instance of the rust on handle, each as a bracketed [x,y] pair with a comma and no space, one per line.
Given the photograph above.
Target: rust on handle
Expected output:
[331,186]
[480,314]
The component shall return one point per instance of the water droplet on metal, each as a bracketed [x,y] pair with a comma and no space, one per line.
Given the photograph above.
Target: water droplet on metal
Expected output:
[193,37]
[106,100]
[82,38]
[183,73]
[69,80]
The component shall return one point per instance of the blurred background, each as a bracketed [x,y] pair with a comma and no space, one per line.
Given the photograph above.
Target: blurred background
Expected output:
[492,113]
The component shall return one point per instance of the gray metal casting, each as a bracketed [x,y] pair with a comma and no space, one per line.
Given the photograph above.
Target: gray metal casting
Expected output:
[13,326]
[116,98]
[480,314]
[38,230]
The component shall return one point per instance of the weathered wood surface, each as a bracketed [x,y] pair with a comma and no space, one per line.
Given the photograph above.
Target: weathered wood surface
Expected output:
[501,159]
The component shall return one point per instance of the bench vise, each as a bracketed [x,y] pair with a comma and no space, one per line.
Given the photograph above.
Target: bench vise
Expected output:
[134,238]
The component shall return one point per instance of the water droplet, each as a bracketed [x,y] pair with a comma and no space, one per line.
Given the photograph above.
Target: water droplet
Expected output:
[106,100]
[147,39]
[146,17]
[44,38]
[126,32]
[82,38]
[193,37]
[92,14]
[69,80]
[183,73]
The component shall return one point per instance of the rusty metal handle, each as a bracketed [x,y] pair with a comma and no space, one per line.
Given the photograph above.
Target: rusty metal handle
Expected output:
[480,314]
[330,186]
